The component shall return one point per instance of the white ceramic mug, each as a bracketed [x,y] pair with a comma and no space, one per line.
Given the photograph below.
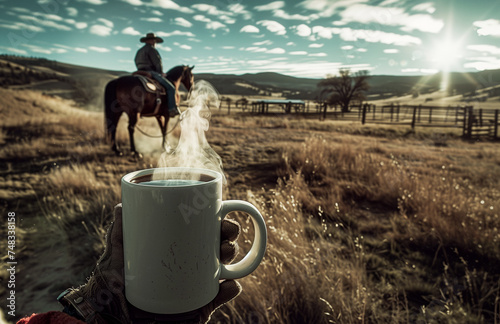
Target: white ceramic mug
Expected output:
[171,238]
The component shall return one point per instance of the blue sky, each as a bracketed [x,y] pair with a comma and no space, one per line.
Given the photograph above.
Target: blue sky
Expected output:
[303,38]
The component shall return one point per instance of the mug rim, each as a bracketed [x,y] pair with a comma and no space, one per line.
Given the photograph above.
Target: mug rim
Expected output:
[126,179]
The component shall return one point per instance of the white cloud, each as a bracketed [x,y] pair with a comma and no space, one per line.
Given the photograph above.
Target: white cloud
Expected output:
[347,47]
[22,26]
[283,15]
[152,19]
[81,25]
[323,32]
[37,49]
[326,8]
[94,2]
[483,63]
[46,16]
[490,27]
[425,6]
[377,36]
[239,9]
[255,49]
[163,48]
[215,25]
[100,30]
[183,46]
[98,49]
[316,45]
[156,12]
[182,22]
[264,42]
[361,50]
[45,23]
[14,50]
[367,14]
[416,70]
[487,49]
[168,4]
[20,9]
[273,26]
[201,18]
[372,36]
[298,53]
[210,9]
[134,2]
[210,24]
[277,50]
[318,54]
[249,29]
[106,22]
[271,6]
[176,33]
[391,51]
[122,49]
[130,31]
[81,50]
[303,30]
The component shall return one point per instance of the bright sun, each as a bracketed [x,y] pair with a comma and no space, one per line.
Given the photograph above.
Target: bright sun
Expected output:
[445,56]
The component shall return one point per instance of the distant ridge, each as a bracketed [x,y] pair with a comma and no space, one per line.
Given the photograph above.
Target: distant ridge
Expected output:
[86,81]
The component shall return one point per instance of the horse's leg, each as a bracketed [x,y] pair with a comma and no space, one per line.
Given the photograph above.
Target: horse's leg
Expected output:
[132,120]
[162,121]
[113,112]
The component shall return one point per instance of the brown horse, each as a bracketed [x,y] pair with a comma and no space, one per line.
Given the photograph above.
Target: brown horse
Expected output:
[126,94]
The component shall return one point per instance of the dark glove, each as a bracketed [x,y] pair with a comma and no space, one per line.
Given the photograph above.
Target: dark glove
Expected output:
[102,299]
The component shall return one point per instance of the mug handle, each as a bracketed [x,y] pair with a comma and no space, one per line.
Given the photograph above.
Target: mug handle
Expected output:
[253,258]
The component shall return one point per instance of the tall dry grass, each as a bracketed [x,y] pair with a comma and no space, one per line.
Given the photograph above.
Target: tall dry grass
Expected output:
[365,225]
[361,232]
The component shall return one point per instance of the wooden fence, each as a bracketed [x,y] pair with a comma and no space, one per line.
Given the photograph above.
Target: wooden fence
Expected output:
[475,123]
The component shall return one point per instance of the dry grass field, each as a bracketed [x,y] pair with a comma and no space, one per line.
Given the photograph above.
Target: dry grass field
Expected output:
[366,224]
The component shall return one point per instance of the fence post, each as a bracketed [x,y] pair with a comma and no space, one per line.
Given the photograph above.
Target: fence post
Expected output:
[397,112]
[470,121]
[430,115]
[363,116]
[495,126]
[392,110]
[481,117]
[374,108]
[414,117]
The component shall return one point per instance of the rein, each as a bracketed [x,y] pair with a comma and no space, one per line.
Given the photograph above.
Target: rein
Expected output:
[159,136]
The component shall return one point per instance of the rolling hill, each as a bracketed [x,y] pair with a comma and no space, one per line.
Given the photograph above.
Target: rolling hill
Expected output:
[86,84]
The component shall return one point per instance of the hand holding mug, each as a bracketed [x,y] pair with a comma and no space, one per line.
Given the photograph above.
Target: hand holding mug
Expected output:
[192,255]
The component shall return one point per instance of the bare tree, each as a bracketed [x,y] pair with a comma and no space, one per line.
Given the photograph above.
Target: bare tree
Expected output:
[344,88]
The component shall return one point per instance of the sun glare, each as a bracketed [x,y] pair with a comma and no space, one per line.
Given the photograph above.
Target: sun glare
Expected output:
[445,56]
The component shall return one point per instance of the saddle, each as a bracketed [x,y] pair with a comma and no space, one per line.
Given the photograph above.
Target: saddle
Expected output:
[150,84]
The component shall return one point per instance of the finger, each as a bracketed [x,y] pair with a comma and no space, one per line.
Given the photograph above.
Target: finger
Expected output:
[228,251]
[115,230]
[228,290]
[230,229]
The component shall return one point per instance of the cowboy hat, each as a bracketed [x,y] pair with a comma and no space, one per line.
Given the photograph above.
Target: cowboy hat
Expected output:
[151,36]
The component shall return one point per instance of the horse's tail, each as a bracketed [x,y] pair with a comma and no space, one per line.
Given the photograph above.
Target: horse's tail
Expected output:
[112,110]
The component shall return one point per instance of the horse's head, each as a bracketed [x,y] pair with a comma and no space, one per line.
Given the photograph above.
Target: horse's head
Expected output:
[182,73]
[188,77]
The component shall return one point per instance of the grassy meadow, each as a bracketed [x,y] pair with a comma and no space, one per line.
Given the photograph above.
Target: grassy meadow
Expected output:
[366,224]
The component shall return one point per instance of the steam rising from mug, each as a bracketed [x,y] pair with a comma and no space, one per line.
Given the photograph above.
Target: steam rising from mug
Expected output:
[193,150]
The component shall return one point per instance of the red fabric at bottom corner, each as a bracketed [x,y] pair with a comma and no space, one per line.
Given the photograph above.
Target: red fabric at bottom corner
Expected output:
[52,317]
